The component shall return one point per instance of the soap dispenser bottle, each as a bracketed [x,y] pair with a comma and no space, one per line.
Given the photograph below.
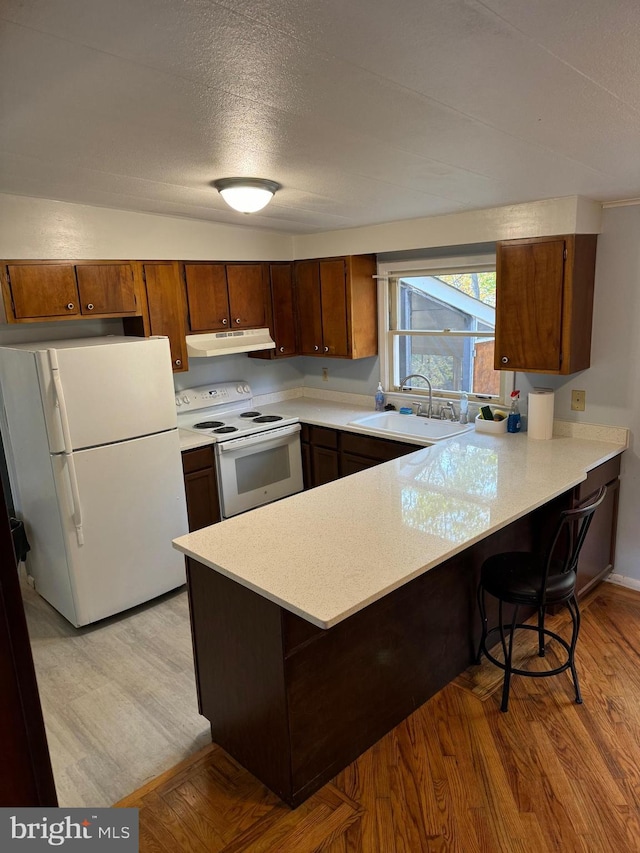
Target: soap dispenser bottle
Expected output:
[379,398]
[464,408]
[513,421]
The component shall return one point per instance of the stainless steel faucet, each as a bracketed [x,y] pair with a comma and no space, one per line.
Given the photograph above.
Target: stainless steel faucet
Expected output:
[403,382]
[448,412]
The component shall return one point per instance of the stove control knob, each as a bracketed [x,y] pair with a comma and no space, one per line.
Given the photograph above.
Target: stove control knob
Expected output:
[178,401]
[239,389]
[246,389]
[185,398]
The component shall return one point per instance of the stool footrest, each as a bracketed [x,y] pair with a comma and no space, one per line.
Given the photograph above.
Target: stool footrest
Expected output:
[527,672]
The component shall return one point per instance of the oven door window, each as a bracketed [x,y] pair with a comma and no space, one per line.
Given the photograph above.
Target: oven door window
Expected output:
[255,472]
[262,468]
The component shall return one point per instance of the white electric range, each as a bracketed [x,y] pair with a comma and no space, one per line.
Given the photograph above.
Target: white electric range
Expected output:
[258,458]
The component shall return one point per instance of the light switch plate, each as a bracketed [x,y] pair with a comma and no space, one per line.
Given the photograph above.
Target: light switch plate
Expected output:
[578,401]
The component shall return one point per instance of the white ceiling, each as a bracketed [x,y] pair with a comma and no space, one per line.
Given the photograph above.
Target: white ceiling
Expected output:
[366,111]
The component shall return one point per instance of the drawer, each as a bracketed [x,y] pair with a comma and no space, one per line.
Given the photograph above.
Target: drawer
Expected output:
[597,477]
[380,449]
[197,459]
[323,437]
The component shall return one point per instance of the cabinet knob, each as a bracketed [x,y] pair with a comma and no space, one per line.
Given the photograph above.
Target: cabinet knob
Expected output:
[178,362]
[90,306]
[70,306]
[281,349]
[224,321]
[504,359]
[316,348]
[326,349]
[238,320]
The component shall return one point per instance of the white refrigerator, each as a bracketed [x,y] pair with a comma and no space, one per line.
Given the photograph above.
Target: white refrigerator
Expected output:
[91,440]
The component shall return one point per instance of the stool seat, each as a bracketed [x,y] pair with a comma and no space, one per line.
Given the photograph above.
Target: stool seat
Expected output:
[525,578]
[515,577]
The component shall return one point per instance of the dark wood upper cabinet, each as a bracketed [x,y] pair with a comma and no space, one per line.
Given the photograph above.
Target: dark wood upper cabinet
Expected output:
[106,289]
[247,297]
[544,303]
[166,308]
[225,296]
[281,317]
[337,306]
[54,290]
[309,307]
[207,297]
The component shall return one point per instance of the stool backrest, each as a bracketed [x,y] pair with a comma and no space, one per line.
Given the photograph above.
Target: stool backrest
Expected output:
[574,525]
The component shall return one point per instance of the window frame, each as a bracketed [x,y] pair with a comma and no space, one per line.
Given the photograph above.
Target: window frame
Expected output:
[388,275]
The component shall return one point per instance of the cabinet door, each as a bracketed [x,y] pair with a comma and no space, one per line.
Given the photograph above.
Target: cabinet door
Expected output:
[335,337]
[106,289]
[282,306]
[166,311]
[325,465]
[201,487]
[307,276]
[596,557]
[247,296]
[207,296]
[351,464]
[529,306]
[43,290]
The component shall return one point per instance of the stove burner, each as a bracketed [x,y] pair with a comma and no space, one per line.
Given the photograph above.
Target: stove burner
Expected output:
[226,429]
[208,424]
[249,414]
[267,419]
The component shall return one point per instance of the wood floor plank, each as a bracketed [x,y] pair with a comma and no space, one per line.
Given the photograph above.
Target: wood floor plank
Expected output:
[458,775]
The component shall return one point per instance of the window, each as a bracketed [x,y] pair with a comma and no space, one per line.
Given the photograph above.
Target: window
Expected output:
[440,322]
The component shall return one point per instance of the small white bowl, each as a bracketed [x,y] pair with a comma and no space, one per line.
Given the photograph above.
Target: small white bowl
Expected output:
[494,427]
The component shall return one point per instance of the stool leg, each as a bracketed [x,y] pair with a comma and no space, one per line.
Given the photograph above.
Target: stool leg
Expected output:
[574,610]
[541,613]
[483,619]
[507,659]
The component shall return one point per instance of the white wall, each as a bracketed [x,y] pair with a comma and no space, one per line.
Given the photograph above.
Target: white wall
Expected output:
[36,228]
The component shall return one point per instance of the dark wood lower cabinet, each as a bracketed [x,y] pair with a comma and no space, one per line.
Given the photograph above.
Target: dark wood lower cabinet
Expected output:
[293,703]
[598,551]
[201,487]
[329,454]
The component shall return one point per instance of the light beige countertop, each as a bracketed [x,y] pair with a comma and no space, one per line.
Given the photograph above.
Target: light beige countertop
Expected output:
[326,553]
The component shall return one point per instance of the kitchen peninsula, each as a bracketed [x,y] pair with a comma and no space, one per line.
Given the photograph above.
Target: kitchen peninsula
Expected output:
[323,620]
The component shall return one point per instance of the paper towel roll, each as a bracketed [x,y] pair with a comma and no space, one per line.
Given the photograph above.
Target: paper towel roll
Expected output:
[540,414]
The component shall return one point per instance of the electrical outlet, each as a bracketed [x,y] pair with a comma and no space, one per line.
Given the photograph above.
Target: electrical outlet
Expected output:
[325,374]
[577,401]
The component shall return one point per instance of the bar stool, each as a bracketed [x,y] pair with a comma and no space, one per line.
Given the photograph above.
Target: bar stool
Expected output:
[523,578]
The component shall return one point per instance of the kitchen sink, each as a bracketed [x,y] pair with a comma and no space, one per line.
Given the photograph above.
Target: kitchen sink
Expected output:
[404,426]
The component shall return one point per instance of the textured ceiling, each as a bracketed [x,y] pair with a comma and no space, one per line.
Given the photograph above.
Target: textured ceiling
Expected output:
[365,111]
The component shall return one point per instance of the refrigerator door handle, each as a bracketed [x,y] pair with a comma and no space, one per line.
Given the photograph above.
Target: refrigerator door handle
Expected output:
[68,448]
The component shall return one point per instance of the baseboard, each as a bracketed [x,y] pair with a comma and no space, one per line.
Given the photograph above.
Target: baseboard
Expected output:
[621,580]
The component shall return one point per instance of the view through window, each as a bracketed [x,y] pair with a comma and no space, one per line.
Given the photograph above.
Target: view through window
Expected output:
[442,325]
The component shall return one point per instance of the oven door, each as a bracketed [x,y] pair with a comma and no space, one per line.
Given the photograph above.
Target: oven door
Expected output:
[256,469]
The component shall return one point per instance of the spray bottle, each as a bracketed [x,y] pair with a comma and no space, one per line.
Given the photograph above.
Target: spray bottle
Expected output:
[513,421]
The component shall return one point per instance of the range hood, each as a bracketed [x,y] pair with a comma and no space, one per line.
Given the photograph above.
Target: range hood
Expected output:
[228,343]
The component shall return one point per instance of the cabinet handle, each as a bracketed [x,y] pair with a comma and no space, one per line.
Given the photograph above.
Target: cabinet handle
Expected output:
[281,349]
[178,362]
[224,322]
[504,359]
[90,306]
[70,306]
[326,349]
[316,348]
[238,320]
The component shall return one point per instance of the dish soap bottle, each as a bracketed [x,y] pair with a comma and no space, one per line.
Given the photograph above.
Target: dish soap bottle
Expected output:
[513,422]
[379,398]
[464,408]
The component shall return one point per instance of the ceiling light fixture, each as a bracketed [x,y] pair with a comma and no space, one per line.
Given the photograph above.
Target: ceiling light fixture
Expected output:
[246,195]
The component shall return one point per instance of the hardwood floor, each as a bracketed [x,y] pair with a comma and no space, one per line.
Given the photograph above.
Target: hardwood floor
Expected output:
[458,775]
